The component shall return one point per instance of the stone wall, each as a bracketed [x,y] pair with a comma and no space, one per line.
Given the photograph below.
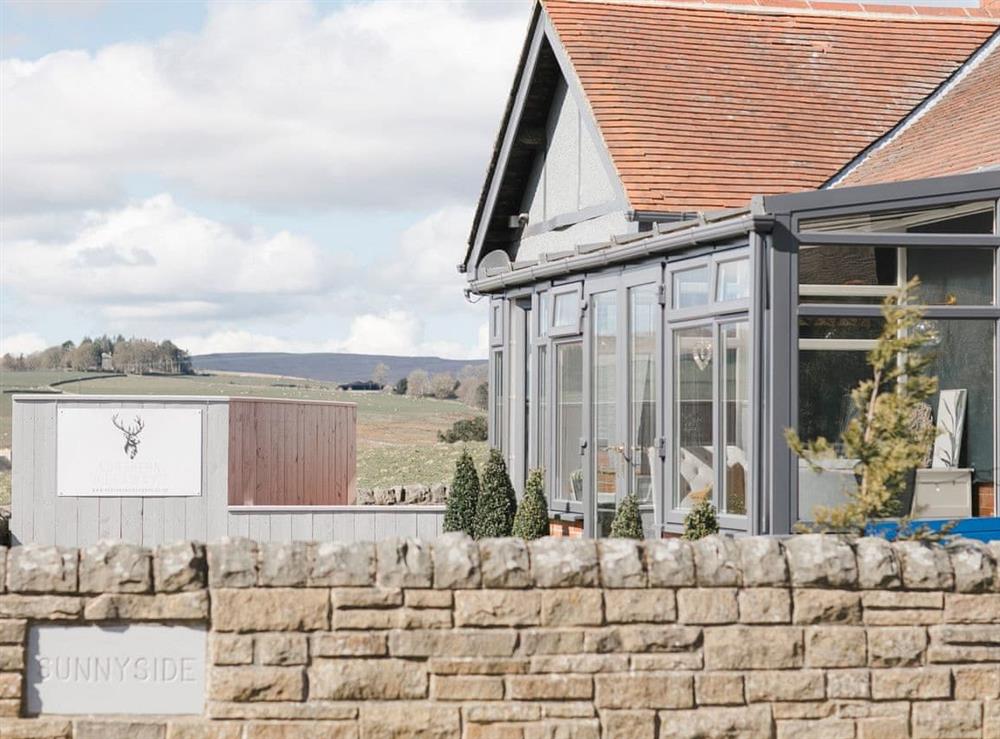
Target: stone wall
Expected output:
[812,637]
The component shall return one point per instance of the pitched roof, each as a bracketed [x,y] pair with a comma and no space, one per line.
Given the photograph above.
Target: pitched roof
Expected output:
[702,106]
[958,131]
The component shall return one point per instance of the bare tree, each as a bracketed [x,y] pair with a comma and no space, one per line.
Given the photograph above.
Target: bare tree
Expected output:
[470,379]
[443,385]
[418,383]
[380,373]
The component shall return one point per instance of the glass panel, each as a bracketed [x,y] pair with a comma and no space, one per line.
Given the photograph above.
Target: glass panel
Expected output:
[848,265]
[566,309]
[541,458]
[690,287]
[643,321]
[543,314]
[569,421]
[838,328]
[967,218]
[952,276]
[964,360]
[607,448]
[693,466]
[736,416]
[733,281]
[498,409]
[528,362]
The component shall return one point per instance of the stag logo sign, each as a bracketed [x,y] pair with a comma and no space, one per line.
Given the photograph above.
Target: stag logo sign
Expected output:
[109,452]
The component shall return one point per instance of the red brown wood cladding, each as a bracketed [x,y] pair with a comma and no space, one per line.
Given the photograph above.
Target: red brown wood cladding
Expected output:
[286,453]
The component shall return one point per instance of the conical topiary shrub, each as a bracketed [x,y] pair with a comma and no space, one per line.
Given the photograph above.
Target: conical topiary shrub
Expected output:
[701,521]
[460,513]
[627,523]
[497,502]
[532,518]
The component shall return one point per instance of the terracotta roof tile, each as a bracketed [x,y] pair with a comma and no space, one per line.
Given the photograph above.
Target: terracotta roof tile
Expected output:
[958,132]
[703,105]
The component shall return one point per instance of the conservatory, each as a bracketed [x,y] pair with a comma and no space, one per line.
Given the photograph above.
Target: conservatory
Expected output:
[669,362]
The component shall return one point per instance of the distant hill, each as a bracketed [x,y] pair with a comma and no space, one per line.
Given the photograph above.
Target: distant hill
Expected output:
[326,366]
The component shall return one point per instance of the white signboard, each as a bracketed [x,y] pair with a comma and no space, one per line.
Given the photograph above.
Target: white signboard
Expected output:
[108,452]
[148,668]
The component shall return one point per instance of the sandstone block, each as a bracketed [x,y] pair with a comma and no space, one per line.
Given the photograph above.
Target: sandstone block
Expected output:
[33,728]
[367,679]
[505,563]
[762,560]
[825,729]
[901,608]
[365,619]
[12,631]
[466,688]
[953,719]
[775,685]
[719,689]
[717,561]
[97,729]
[189,606]
[973,565]
[230,649]
[651,605]
[302,730]
[924,683]
[454,643]
[580,663]
[10,685]
[498,608]
[551,641]
[371,644]
[669,563]
[491,713]
[572,607]
[753,647]
[36,568]
[417,720]
[707,605]
[339,564]
[245,684]
[270,609]
[281,649]
[456,562]
[991,720]
[232,563]
[765,606]
[632,724]
[925,566]
[621,563]
[41,607]
[826,606]
[279,710]
[204,729]
[642,639]
[428,598]
[896,646]
[884,728]
[115,567]
[821,560]
[648,690]
[403,563]
[564,563]
[283,564]
[180,566]
[666,661]
[848,684]
[366,597]
[878,566]
[549,687]
[422,618]
[835,646]
[476,666]
[745,722]
[977,683]
[972,609]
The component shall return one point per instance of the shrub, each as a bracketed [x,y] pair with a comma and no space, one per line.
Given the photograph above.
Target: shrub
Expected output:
[400,387]
[701,521]
[463,496]
[627,523]
[497,502]
[468,429]
[532,518]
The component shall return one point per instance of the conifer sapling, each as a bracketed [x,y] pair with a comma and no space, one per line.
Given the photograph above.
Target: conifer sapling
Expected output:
[627,523]
[497,502]
[460,513]
[532,518]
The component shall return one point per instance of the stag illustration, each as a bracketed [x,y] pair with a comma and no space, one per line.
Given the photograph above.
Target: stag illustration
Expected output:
[131,434]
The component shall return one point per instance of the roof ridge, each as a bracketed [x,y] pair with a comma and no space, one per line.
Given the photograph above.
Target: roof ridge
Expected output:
[828,8]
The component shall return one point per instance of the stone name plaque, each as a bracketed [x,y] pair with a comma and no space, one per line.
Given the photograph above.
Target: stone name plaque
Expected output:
[144,668]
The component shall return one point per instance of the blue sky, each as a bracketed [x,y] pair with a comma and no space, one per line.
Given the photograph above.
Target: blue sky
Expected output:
[248,176]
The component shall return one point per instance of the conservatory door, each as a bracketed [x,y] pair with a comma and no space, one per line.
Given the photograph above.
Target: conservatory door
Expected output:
[624,313]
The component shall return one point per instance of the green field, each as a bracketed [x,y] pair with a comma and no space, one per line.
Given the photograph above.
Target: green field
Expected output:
[397,436]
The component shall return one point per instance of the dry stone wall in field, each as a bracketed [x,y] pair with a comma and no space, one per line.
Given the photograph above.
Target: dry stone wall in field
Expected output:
[812,637]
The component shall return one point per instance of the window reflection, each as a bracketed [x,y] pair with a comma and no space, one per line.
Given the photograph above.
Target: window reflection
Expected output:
[693,466]
[569,420]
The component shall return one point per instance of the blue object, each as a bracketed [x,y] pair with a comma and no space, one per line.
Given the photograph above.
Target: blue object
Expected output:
[984,529]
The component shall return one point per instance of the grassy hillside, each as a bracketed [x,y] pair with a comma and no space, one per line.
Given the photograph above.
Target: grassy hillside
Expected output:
[326,366]
[397,436]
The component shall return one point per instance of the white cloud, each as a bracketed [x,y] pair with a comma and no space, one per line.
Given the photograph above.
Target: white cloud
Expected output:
[24,343]
[271,104]
[153,258]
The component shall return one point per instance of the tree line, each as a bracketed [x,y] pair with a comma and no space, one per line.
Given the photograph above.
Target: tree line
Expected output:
[106,353]
[470,386]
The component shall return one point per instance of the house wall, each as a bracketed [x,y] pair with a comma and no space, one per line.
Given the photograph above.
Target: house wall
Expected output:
[812,637]
[39,515]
